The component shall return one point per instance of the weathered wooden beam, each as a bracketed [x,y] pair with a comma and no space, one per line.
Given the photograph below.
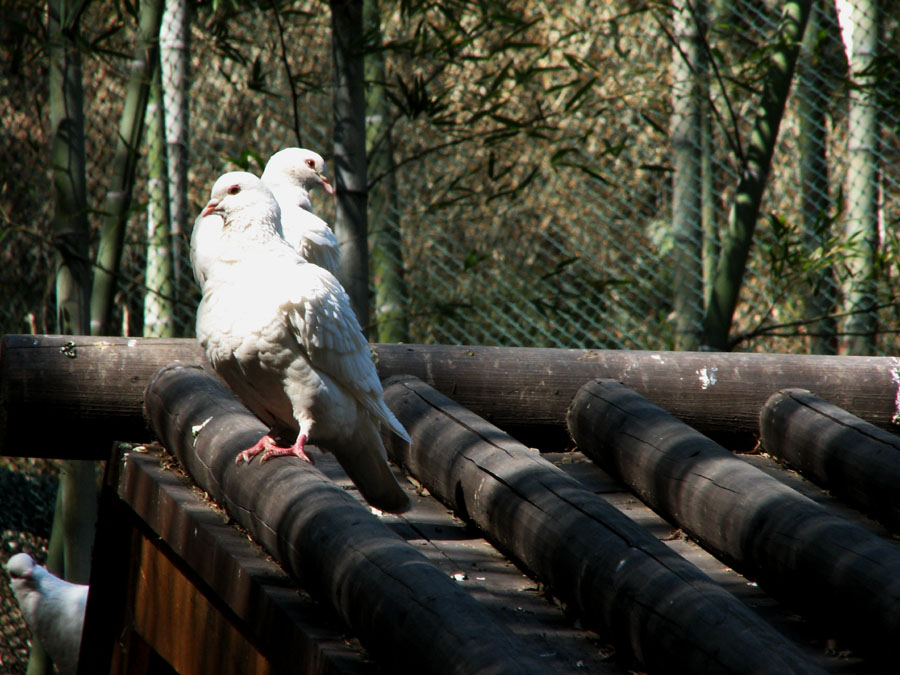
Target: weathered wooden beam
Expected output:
[203,555]
[853,459]
[660,607]
[87,391]
[94,386]
[527,391]
[839,572]
[405,611]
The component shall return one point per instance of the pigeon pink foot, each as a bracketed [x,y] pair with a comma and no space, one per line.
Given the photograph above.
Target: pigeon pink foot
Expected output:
[269,448]
[295,449]
[261,445]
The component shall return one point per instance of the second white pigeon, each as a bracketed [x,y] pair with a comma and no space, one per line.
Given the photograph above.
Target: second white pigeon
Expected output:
[281,332]
[291,174]
[53,609]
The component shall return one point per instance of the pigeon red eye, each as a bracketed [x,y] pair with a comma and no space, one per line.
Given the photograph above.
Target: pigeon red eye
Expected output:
[234,189]
[311,164]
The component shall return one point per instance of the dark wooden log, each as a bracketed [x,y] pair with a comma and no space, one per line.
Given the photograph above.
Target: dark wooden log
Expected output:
[660,607]
[94,386]
[405,611]
[850,457]
[527,391]
[839,572]
[86,391]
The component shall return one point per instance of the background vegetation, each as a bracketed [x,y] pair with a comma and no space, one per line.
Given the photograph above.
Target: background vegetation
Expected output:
[537,175]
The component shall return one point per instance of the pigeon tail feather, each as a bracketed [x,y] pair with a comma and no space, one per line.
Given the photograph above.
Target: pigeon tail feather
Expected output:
[368,468]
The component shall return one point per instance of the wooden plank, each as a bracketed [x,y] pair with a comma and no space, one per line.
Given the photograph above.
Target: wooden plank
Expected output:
[291,630]
[837,450]
[105,638]
[838,572]
[658,606]
[405,611]
[172,621]
[94,386]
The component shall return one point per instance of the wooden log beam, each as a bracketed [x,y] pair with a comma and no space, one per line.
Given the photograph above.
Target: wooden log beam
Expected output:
[839,572]
[660,607]
[87,392]
[94,387]
[290,630]
[405,611]
[853,459]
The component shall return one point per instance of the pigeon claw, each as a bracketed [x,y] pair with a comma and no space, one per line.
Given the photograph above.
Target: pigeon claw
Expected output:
[262,445]
[296,449]
[269,449]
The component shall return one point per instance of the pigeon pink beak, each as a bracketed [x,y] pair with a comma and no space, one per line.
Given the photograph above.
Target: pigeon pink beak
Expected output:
[209,208]
[328,187]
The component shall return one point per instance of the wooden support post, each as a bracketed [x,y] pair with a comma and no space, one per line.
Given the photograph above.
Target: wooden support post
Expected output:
[855,460]
[660,607]
[405,611]
[838,571]
[95,386]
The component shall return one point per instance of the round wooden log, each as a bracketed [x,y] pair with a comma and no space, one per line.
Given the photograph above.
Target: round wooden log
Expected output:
[90,387]
[838,571]
[855,460]
[404,610]
[527,391]
[88,390]
[670,615]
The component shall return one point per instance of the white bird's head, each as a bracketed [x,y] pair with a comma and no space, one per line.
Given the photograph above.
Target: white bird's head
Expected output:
[21,568]
[298,167]
[244,203]
[25,581]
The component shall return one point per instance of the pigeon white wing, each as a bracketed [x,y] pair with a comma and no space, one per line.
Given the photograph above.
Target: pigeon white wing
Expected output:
[326,328]
[311,236]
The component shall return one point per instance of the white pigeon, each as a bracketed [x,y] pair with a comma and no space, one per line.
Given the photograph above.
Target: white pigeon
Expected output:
[53,609]
[291,174]
[281,332]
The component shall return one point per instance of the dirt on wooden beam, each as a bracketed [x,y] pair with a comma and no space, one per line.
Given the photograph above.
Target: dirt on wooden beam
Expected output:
[840,574]
[92,385]
[409,614]
[658,606]
[850,457]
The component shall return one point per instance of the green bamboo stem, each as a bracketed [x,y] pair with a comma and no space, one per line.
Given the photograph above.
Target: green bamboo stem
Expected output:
[816,204]
[118,198]
[754,175]
[159,305]
[863,179]
[391,299]
[687,182]
[350,223]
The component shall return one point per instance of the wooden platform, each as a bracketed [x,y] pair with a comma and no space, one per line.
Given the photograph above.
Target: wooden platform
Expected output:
[215,577]
[357,592]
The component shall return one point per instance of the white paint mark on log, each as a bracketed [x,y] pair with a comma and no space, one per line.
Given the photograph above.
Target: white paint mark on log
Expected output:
[707,377]
[895,378]
[197,428]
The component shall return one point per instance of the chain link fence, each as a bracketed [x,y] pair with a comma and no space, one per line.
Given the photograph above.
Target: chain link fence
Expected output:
[532,162]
